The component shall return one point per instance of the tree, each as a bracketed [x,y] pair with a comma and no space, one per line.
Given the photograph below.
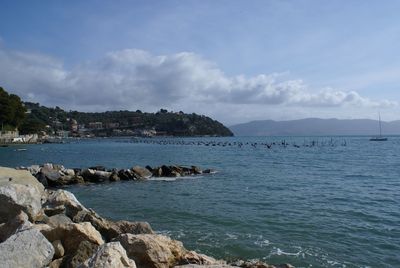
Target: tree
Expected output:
[12,110]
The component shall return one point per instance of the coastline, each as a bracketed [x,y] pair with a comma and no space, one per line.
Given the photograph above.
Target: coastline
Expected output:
[67,234]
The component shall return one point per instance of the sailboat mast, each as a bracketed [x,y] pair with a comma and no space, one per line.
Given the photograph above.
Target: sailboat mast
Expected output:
[380,125]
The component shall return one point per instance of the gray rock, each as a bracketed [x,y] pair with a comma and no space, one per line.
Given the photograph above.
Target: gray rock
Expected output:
[71,235]
[93,175]
[141,173]
[14,225]
[54,210]
[57,220]
[18,197]
[126,174]
[114,176]
[65,199]
[52,175]
[128,227]
[34,169]
[26,249]
[152,251]
[14,176]
[109,229]
[110,255]
[69,172]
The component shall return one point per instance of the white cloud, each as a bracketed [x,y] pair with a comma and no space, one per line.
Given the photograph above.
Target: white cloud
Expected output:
[136,79]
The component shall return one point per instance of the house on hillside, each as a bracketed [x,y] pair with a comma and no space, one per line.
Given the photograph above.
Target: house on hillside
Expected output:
[95,125]
[8,136]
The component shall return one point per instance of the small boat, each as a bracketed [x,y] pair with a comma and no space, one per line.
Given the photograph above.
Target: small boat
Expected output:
[20,150]
[380,137]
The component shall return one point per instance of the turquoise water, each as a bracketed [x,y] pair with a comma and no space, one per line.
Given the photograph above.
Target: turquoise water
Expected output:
[321,206]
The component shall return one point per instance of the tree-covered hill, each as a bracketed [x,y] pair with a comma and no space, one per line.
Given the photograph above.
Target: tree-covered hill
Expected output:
[32,118]
[164,122]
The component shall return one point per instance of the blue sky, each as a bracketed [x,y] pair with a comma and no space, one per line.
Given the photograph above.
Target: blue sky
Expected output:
[233,60]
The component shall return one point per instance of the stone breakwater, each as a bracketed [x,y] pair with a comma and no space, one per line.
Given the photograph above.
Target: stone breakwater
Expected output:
[40,227]
[53,175]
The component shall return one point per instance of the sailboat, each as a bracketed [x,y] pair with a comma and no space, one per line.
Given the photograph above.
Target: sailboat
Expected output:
[380,137]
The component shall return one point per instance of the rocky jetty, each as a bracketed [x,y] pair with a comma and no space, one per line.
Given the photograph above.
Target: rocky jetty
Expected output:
[40,227]
[54,175]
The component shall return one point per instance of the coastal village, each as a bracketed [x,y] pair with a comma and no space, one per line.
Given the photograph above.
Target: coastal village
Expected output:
[76,130]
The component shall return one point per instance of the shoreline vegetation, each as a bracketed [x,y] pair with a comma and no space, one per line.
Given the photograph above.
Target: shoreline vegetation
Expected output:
[49,227]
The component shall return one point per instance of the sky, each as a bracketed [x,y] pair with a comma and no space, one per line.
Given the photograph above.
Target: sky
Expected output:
[235,60]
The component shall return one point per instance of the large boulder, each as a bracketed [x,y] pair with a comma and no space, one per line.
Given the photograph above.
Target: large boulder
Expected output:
[14,176]
[19,191]
[71,235]
[110,229]
[62,200]
[110,255]
[28,249]
[151,250]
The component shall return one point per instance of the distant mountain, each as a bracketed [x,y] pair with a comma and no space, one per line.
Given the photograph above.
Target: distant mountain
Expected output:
[316,126]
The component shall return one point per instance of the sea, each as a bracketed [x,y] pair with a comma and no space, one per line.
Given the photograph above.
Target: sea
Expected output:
[308,201]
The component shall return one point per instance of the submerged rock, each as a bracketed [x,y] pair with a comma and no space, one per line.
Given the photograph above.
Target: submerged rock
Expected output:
[26,249]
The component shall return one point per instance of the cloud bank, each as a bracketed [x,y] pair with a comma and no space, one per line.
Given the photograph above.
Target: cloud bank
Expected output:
[136,79]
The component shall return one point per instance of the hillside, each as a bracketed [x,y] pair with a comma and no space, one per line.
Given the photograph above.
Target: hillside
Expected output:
[117,123]
[315,126]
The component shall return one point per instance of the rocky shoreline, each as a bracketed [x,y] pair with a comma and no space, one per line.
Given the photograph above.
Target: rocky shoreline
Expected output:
[54,175]
[42,227]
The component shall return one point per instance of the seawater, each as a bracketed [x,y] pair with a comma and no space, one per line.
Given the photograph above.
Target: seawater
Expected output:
[323,206]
